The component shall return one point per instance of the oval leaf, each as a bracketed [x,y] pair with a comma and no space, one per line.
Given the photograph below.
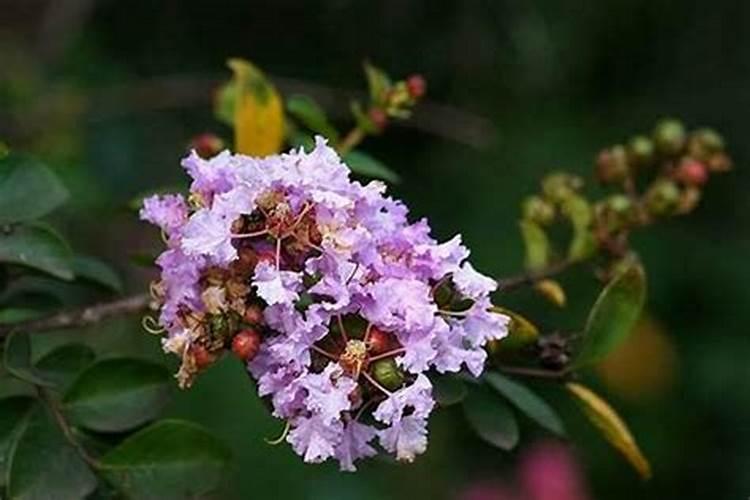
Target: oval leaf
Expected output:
[169,459]
[614,314]
[118,394]
[14,411]
[529,403]
[364,164]
[62,364]
[28,190]
[258,111]
[312,116]
[611,426]
[44,465]
[17,359]
[37,247]
[447,389]
[491,418]
[96,271]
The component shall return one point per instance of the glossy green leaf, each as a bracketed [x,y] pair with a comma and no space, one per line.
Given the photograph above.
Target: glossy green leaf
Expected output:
[170,459]
[448,389]
[14,411]
[61,365]
[312,116]
[491,417]
[28,190]
[527,402]
[17,359]
[614,314]
[536,244]
[118,394]
[364,164]
[43,465]
[96,271]
[37,247]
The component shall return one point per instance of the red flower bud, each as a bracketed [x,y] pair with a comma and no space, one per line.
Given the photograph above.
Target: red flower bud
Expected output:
[254,315]
[692,173]
[203,358]
[416,85]
[246,343]
[207,145]
[378,118]
[379,341]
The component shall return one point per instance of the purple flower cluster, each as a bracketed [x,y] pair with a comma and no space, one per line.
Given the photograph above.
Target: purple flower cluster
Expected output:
[356,303]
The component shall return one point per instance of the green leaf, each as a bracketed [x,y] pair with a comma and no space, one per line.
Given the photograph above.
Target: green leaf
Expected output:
[447,389]
[14,411]
[118,394]
[536,244]
[612,427]
[378,82]
[28,190]
[37,247]
[170,459]
[96,271]
[43,465]
[312,116]
[614,314]
[62,364]
[491,418]
[364,164]
[527,402]
[17,359]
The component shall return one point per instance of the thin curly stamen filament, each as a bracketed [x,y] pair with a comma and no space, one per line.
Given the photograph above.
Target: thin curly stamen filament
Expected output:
[394,352]
[376,384]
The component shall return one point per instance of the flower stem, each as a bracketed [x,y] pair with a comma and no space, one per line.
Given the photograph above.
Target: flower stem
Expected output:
[351,140]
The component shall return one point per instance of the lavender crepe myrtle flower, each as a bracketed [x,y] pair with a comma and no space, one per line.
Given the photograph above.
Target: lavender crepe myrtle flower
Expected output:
[358,304]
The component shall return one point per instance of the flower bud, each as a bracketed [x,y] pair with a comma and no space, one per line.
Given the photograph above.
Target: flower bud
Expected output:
[246,343]
[378,117]
[379,341]
[612,165]
[206,145]
[669,136]
[691,172]
[538,210]
[704,143]
[719,162]
[253,314]
[387,373]
[560,186]
[663,197]
[641,151]
[416,85]
[202,357]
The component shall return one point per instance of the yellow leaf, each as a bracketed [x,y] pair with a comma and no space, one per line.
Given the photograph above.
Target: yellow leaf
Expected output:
[611,426]
[552,291]
[258,111]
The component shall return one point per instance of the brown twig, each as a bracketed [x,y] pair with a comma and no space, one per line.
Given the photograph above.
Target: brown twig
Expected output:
[80,317]
[534,372]
[531,277]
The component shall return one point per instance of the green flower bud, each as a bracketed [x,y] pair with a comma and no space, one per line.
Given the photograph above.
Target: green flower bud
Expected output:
[612,165]
[538,210]
[387,373]
[669,136]
[560,186]
[704,143]
[641,151]
[619,204]
[663,197]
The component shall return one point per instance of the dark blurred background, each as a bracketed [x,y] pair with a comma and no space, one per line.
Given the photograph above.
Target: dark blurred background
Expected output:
[110,93]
